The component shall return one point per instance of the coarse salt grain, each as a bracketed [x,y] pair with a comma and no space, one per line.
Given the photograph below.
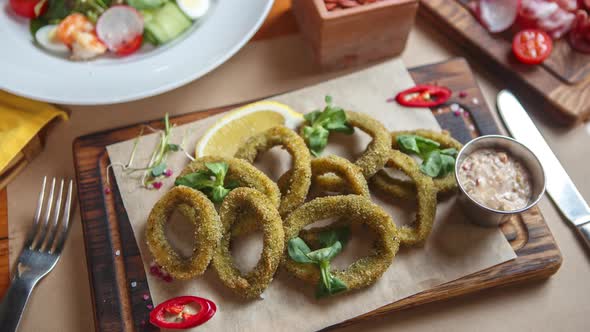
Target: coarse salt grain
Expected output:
[133,284]
[117,253]
[454,107]
[475,101]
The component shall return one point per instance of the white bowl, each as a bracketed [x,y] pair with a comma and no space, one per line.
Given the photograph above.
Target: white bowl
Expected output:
[27,70]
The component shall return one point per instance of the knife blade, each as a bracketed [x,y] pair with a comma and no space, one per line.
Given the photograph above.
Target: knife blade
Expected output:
[559,185]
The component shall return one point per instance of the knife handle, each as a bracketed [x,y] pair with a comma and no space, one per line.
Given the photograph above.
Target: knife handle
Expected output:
[584,230]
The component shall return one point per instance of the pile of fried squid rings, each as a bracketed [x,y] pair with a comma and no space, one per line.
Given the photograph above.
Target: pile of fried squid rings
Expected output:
[313,189]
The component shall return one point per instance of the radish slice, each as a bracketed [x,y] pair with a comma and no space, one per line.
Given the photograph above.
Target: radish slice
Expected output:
[118,26]
[498,15]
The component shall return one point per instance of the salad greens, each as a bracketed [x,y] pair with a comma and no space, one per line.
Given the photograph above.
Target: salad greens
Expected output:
[56,11]
[211,181]
[321,123]
[163,19]
[332,242]
[437,162]
[145,4]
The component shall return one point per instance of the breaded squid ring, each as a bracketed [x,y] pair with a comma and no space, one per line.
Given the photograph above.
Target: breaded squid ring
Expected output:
[253,283]
[406,189]
[354,182]
[357,209]
[426,199]
[373,158]
[201,212]
[298,186]
[240,171]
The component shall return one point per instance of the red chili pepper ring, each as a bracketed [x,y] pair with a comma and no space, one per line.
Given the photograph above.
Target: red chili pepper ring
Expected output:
[173,313]
[424,96]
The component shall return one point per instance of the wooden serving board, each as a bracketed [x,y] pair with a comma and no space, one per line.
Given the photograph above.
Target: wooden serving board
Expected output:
[117,277]
[562,81]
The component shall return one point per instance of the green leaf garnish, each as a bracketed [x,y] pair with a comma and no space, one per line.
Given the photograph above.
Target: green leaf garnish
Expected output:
[158,170]
[333,241]
[341,234]
[210,181]
[432,166]
[325,254]
[435,162]
[198,180]
[450,152]
[172,147]
[319,124]
[298,250]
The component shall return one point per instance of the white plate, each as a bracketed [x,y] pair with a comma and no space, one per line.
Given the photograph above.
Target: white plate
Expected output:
[28,71]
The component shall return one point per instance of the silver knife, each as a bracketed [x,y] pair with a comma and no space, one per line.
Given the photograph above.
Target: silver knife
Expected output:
[558,184]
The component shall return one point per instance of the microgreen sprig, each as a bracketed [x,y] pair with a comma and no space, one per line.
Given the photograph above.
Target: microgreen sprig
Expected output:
[156,167]
[332,242]
[319,124]
[210,181]
[437,162]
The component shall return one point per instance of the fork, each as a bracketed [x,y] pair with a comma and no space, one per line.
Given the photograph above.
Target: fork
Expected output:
[40,254]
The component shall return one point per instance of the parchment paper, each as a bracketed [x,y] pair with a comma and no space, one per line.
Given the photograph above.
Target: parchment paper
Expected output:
[455,248]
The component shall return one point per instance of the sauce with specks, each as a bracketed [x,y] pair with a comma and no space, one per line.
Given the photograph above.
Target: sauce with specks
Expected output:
[496,180]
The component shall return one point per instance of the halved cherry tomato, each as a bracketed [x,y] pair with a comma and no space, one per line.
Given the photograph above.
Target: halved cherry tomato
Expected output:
[131,46]
[424,96]
[532,46]
[29,8]
[172,314]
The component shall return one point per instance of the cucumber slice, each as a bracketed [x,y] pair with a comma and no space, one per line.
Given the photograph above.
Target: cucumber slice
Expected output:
[165,23]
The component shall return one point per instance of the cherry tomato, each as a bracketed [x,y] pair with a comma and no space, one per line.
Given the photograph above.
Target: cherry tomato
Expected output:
[532,46]
[131,46]
[29,8]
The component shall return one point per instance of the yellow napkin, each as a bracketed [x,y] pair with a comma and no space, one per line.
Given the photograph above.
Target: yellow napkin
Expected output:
[20,120]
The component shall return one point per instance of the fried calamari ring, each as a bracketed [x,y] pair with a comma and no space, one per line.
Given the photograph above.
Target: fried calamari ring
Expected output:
[426,199]
[373,158]
[298,186]
[201,212]
[354,182]
[406,189]
[240,171]
[235,204]
[357,209]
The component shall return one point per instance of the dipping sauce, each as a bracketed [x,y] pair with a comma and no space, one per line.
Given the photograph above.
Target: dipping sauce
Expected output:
[496,180]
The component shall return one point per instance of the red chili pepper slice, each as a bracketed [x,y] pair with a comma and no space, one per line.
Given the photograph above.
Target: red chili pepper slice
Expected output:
[424,96]
[172,314]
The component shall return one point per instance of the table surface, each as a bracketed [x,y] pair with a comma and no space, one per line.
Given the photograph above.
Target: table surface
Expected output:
[272,66]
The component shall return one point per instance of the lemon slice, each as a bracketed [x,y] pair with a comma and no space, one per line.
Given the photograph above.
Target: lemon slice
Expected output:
[228,133]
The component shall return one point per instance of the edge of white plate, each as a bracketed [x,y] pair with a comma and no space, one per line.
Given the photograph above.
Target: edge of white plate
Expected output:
[165,88]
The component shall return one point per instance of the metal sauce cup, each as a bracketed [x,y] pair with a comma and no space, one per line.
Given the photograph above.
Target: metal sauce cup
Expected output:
[483,215]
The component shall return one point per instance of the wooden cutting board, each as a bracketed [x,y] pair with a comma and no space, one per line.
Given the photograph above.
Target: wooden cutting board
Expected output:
[117,278]
[562,81]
